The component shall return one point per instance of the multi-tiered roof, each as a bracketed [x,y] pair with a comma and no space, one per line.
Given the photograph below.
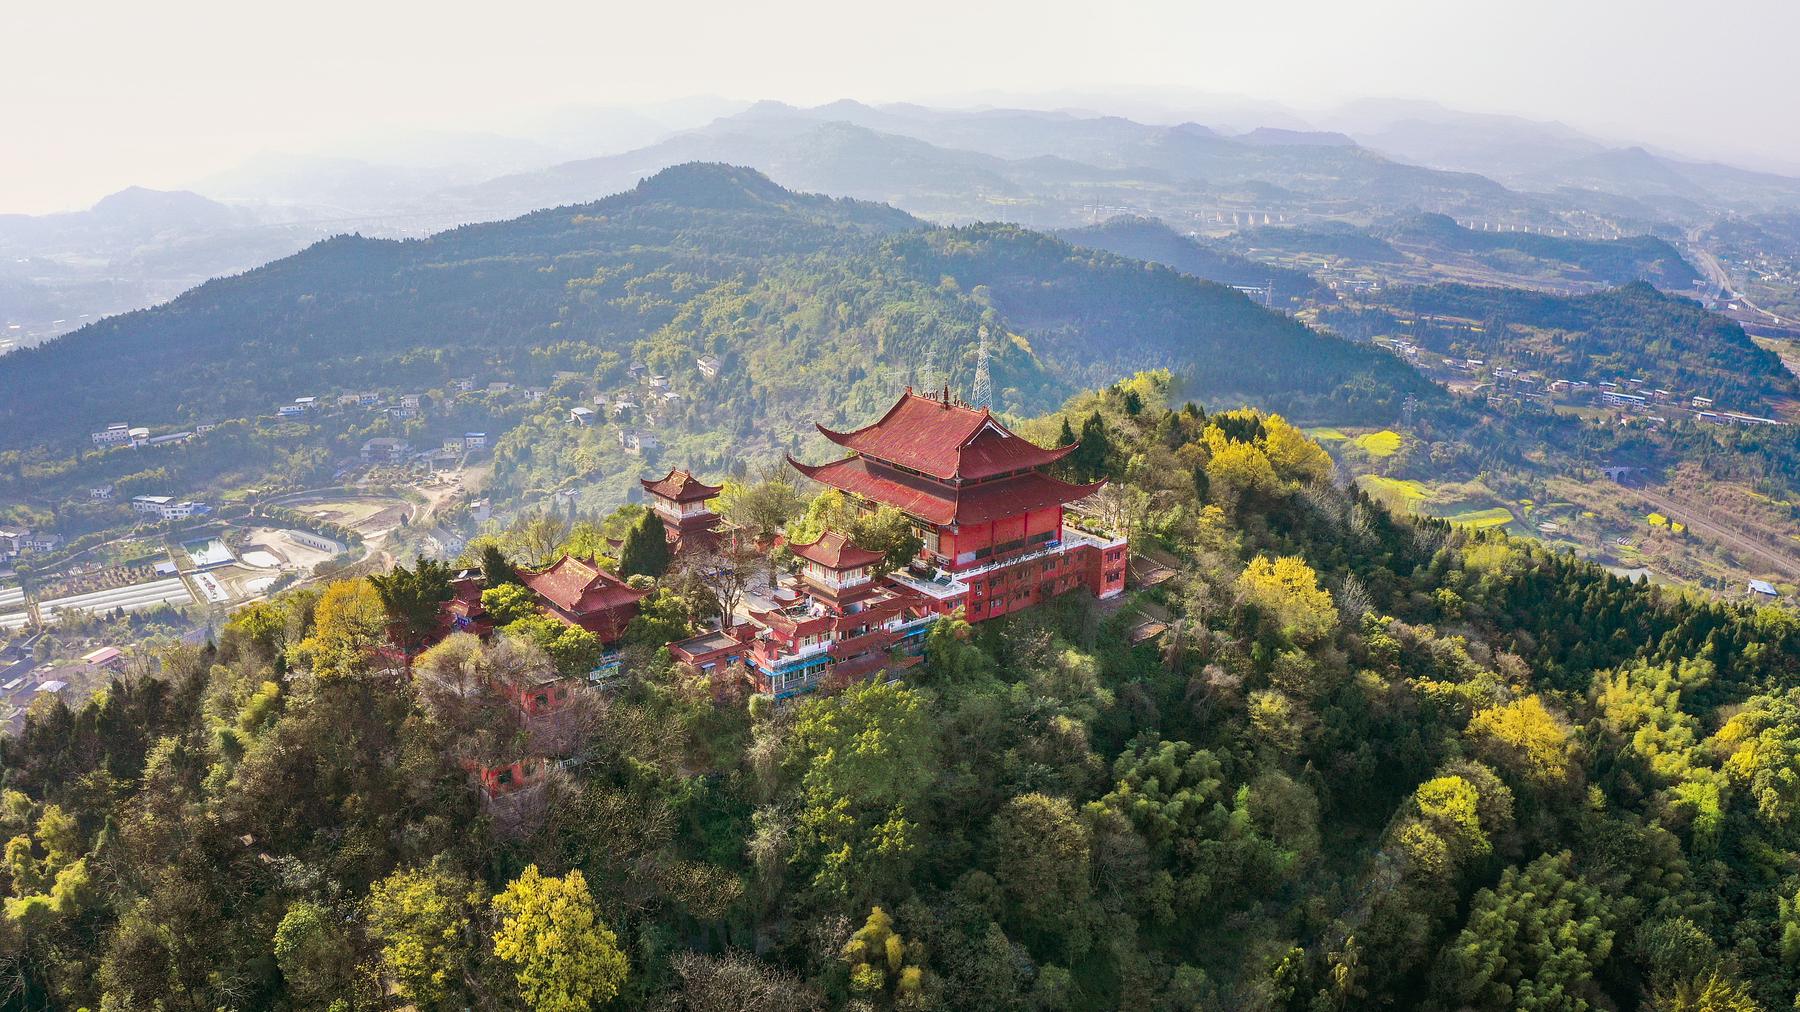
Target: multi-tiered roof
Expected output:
[680,486]
[945,463]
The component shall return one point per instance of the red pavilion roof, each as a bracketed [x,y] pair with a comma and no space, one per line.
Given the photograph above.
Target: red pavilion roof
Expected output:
[680,486]
[581,587]
[945,440]
[940,504]
[834,551]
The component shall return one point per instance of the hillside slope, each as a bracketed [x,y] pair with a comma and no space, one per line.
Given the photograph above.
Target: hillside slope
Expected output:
[815,305]
[1152,240]
[1633,331]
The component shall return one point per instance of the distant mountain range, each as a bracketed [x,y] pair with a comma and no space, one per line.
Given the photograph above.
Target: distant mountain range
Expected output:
[1051,170]
[816,305]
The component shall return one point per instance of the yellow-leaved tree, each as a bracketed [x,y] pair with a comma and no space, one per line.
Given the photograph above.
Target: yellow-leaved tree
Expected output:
[1288,592]
[564,958]
[1527,738]
[348,626]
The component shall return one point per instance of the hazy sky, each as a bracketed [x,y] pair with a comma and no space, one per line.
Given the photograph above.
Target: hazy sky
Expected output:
[99,94]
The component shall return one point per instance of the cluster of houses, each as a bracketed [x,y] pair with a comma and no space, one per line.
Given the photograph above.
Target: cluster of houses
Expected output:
[1631,395]
[14,543]
[988,513]
[638,405]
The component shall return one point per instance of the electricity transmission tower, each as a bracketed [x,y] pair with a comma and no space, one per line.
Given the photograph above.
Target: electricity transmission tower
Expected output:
[983,394]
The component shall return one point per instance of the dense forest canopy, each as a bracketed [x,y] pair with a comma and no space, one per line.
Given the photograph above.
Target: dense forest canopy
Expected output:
[1369,762]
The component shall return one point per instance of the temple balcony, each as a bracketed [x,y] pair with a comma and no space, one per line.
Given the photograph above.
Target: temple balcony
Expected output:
[874,639]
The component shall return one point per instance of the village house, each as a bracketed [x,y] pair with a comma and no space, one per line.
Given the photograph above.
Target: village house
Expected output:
[475,440]
[385,450]
[151,504]
[581,416]
[708,366]
[101,493]
[410,402]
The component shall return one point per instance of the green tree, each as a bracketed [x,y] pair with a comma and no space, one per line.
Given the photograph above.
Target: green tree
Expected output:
[862,761]
[575,650]
[646,548]
[564,958]
[1533,942]
[508,603]
[419,918]
[890,532]
[496,568]
[315,956]
[1042,862]
[412,599]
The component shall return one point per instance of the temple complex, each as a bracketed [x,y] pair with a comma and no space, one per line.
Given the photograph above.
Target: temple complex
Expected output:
[991,522]
[994,540]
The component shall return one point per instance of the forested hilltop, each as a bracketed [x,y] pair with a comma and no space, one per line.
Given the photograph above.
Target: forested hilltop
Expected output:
[1367,762]
[1633,332]
[812,305]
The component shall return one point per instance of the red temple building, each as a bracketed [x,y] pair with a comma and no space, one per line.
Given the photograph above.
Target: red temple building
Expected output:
[685,505]
[991,521]
[582,594]
[990,515]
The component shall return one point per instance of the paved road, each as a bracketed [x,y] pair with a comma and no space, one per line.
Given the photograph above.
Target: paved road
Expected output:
[1715,273]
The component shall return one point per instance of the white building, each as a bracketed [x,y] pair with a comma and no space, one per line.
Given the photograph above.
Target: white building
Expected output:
[151,504]
[112,435]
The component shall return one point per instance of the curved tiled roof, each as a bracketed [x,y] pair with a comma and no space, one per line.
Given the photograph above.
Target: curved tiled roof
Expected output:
[834,551]
[680,486]
[940,504]
[580,587]
[942,439]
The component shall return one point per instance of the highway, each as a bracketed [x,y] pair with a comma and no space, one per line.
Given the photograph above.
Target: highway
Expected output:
[1715,275]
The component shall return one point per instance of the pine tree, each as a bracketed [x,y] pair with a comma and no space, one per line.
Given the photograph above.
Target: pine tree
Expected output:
[646,548]
[496,568]
[1090,461]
